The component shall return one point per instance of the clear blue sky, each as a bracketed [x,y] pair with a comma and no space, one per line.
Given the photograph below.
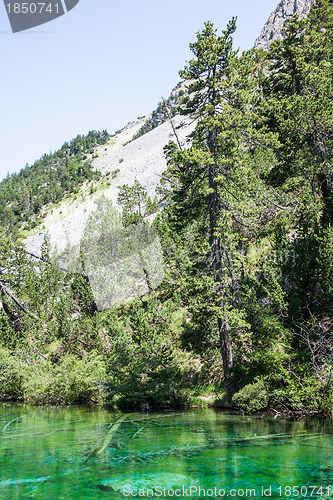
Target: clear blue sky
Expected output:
[100,66]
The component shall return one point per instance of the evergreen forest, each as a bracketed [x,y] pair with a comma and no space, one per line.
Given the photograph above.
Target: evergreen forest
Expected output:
[243,315]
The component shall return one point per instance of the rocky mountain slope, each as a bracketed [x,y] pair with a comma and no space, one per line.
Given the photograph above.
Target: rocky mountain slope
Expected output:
[123,159]
[273,27]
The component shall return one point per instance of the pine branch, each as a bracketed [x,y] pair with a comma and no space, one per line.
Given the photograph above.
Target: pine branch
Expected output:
[10,294]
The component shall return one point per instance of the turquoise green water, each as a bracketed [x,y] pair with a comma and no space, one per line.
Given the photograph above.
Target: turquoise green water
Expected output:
[90,454]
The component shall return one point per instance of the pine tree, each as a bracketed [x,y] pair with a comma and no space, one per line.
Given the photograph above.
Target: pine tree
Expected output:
[207,177]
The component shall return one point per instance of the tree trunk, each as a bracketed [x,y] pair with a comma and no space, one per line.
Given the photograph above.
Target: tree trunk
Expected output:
[226,351]
[216,248]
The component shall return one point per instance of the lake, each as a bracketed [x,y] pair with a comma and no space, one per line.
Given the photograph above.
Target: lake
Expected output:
[80,453]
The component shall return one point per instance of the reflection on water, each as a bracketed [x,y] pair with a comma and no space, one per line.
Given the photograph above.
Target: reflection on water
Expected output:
[80,453]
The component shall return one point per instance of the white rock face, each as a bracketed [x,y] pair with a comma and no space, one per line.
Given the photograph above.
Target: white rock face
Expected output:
[285,10]
[120,276]
[142,159]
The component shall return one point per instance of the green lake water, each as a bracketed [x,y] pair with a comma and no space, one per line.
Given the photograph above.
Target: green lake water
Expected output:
[79,453]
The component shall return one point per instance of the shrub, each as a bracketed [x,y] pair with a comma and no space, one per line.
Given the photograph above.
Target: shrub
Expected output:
[74,381]
[10,376]
[252,398]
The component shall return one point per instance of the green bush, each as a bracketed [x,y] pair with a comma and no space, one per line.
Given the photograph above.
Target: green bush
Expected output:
[10,376]
[154,373]
[252,398]
[74,381]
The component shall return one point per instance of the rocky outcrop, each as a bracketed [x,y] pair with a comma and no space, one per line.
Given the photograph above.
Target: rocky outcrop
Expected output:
[273,27]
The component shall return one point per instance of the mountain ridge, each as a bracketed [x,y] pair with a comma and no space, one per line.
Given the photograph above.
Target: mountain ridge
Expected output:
[272,29]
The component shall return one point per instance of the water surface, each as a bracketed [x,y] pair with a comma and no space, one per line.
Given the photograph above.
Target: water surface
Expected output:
[80,453]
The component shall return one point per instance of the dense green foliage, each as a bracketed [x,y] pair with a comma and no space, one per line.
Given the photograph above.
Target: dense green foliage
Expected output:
[49,179]
[245,307]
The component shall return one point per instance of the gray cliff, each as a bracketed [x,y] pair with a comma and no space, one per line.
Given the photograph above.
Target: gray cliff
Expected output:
[273,27]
